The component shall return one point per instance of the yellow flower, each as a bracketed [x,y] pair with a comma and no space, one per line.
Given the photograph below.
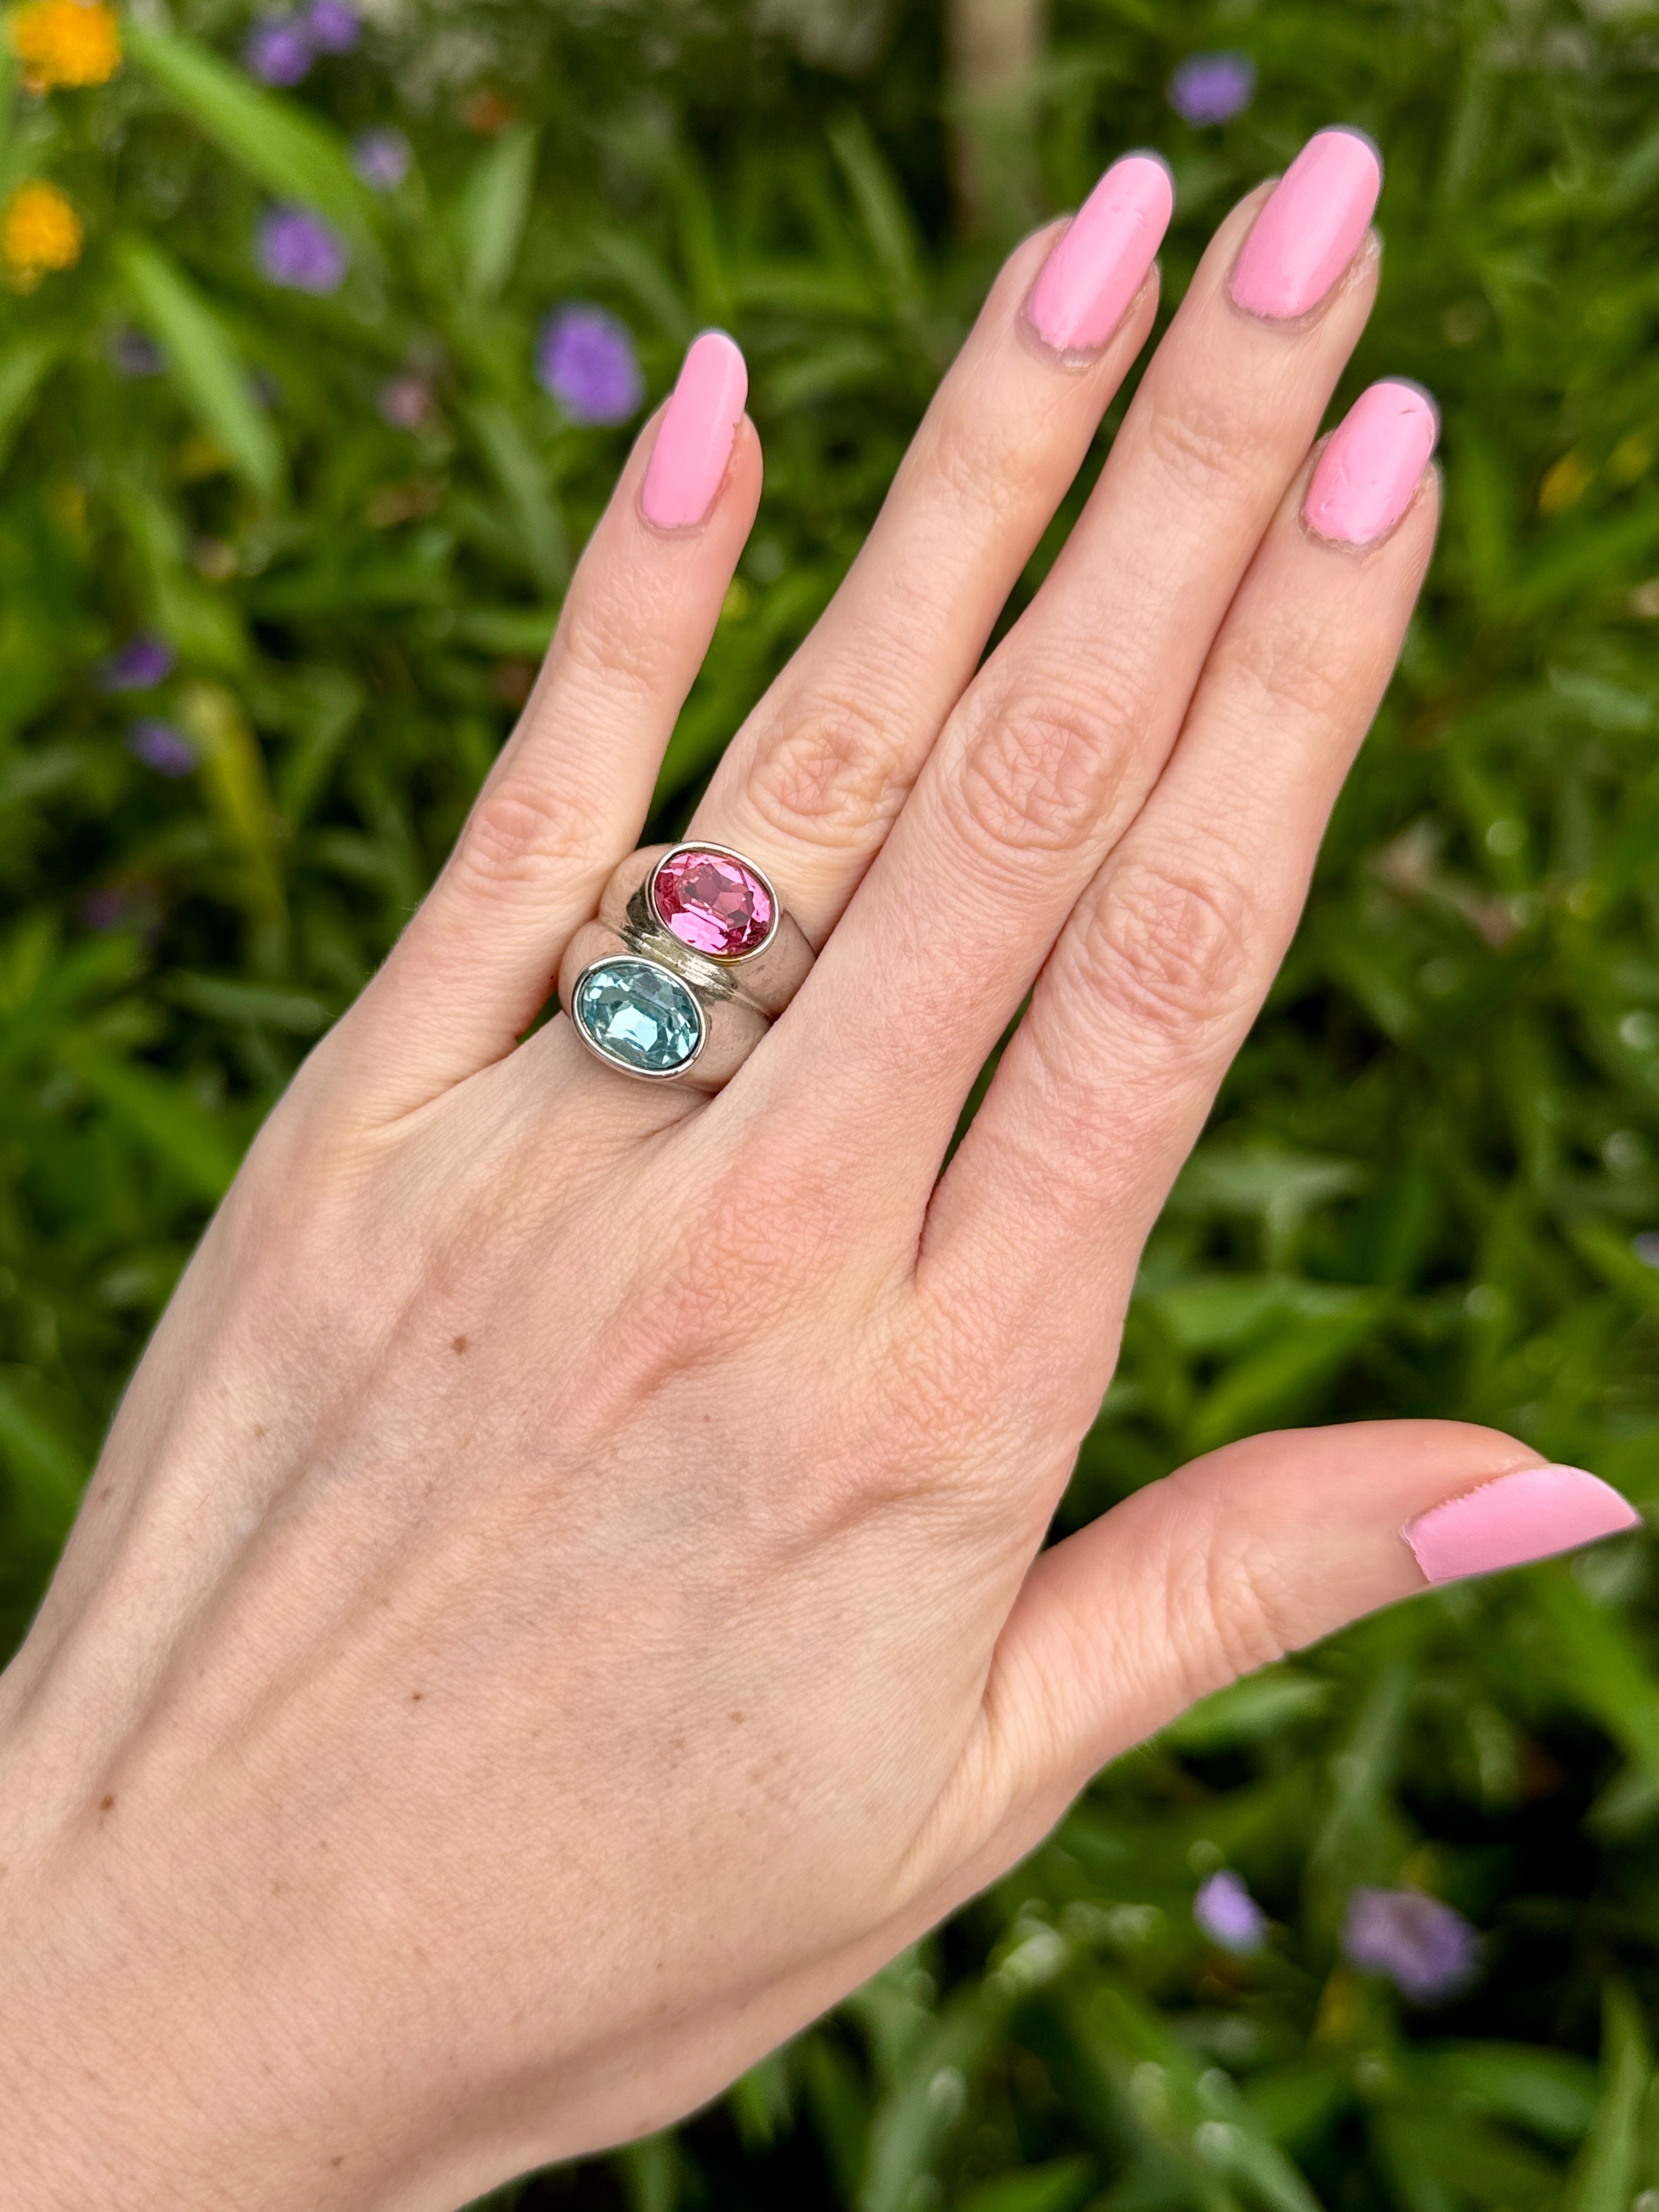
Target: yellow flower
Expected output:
[38,231]
[1566,483]
[64,42]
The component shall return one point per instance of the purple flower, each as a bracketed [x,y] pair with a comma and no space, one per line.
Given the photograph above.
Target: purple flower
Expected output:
[1209,88]
[130,905]
[333,25]
[405,401]
[142,663]
[133,352]
[301,251]
[279,51]
[1229,1915]
[112,908]
[161,747]
[381,159]
[586,360]
[1426,1950]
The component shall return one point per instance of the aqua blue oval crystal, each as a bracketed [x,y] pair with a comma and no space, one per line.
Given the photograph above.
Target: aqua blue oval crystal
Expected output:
[639,1016]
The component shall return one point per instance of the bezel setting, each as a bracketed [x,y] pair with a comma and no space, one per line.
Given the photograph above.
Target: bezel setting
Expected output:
[739,859]
[633,958]
[737,996]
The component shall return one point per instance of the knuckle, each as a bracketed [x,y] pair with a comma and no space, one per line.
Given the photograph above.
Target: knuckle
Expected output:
[1033,774]
[1208,452]
[1288,670]
[830,776]
[1169,950]
[994,480]
[1250,1606]
[1230,1609]
[516,835]
[613,639]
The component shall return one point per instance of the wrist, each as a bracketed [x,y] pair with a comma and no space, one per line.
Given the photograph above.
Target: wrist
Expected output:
[123,2091]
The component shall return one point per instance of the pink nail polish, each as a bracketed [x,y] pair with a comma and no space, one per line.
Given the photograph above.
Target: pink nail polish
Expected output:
[1100,263]
[694,439]
[1521,1516]
[1372,465]
[1311,228]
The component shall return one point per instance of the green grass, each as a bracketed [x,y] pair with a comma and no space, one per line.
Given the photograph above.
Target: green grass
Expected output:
[1423,1184]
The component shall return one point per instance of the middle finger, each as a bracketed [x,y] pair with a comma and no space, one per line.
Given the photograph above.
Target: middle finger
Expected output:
[1056,744]
[811,784]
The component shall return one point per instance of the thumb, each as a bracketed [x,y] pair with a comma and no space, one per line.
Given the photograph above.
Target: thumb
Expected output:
[1248,1552]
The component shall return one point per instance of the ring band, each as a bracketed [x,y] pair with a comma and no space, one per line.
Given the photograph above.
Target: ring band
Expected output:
[692,960]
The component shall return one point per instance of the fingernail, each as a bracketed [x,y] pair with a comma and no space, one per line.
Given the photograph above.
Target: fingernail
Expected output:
[1311,228]
[1372,465]
[689,461]
[1101,262]
[1526,1515]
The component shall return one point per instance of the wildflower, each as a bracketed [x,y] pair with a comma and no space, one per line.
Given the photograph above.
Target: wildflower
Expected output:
[64,42]
[333,26]
[130,904]
[1211,88]
[1426,1950]
[110,908]
[489,113]
[1229,1915]
[133,352]
[38,231]
[298,250]
[586,360]
[142,663]
[279,51]
[406,401]
[160,746]
[381,159]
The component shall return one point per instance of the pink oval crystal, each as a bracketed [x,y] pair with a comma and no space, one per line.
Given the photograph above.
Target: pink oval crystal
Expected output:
[712,902]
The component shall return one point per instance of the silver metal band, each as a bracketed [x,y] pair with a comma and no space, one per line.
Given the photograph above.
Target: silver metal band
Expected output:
[690,960]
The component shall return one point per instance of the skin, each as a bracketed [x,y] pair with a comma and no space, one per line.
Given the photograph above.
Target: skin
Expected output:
[561,1602]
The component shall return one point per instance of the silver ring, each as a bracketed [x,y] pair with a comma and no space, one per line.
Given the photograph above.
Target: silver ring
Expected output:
[692,958]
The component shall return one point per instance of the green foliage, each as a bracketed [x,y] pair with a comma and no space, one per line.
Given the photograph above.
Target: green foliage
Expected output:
[1427,1179]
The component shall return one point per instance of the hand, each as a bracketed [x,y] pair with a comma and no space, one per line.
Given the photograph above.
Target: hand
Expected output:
[561,1600]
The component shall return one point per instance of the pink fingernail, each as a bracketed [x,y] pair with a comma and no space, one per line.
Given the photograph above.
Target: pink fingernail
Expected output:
[1311,228]
[694,439]
[1101,262]
[1521,1516]
[1372,465]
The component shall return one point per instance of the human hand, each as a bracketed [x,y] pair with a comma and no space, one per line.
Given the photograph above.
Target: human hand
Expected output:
[557,1607]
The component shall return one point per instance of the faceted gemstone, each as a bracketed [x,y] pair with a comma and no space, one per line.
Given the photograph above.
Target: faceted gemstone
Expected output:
[639,1015]
[712,902]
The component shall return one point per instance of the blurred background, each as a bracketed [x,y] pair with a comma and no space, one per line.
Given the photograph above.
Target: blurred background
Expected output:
[322,338]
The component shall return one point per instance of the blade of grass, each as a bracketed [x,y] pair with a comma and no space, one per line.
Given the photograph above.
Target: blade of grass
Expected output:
[202,362]
[280,145]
